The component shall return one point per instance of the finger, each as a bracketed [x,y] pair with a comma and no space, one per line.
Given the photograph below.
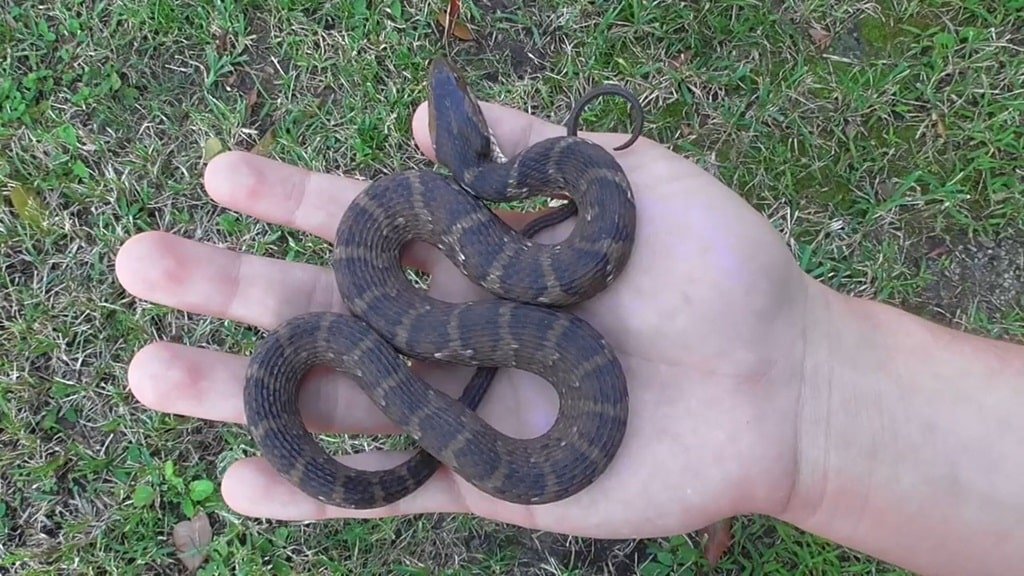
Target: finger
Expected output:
[213,281]
[263,292]
[289,196]
[301,199]
[208,384]
[280,193]
[251,487]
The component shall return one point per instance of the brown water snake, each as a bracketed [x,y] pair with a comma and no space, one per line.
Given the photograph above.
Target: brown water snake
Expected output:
[523,328]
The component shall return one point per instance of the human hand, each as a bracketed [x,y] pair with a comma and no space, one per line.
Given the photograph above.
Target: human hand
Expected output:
[708,321]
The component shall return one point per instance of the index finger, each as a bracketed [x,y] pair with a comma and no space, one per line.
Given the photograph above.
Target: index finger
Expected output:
[314,203]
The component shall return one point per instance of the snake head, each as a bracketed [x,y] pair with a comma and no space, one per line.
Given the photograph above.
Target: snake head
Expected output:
[458,130]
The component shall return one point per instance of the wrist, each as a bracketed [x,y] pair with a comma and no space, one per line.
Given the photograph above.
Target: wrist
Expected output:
[909,439]
[837,348]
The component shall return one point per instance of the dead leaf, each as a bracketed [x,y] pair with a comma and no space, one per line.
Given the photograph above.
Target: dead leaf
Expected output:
[940,126]
[262,148]
[27,205]
[191,537]
[222,42]
[211,148]
[884,190]
[250,97]
[821,38]
[680,61]
[850,127]
[458,29]
[454,9]
[719,537]
[449,19]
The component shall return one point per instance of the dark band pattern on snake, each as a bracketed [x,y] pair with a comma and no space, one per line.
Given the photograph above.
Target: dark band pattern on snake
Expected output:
[526,326]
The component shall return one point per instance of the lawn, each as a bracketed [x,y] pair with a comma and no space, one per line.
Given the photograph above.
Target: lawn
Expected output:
[884,140]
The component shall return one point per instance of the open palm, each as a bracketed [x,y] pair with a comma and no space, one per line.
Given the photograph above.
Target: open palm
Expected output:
[708,321]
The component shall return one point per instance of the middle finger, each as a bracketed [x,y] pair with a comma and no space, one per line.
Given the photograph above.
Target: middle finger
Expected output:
[301,199]
[204,279]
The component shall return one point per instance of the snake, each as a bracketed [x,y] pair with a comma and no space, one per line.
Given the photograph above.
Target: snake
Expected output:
[525,324]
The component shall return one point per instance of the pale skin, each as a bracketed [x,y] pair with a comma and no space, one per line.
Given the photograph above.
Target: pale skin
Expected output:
[754,388]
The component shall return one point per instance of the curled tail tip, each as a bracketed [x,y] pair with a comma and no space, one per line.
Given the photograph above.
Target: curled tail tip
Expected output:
[636,111]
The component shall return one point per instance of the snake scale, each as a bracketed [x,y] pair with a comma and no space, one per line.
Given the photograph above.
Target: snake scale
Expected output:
[524,327]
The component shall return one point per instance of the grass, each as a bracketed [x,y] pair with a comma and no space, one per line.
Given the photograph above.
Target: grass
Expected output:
[889,156]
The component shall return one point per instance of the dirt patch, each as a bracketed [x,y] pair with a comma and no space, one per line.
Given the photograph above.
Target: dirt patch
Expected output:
[495,6]
[517,550]
[258,79]
[522,59]
[849,42]
[543,550]
[973,274]
[511,45]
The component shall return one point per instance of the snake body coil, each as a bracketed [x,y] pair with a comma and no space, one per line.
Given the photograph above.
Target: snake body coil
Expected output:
[523,327]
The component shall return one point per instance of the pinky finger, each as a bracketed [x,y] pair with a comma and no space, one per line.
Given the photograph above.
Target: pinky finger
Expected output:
[253,488]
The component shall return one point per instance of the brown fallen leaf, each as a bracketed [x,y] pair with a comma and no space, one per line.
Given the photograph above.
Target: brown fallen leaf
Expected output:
[458,29]
[191,537]
[250,97]
[821,38]
[262,148]
[454,9]
[449,19]
[719,537]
